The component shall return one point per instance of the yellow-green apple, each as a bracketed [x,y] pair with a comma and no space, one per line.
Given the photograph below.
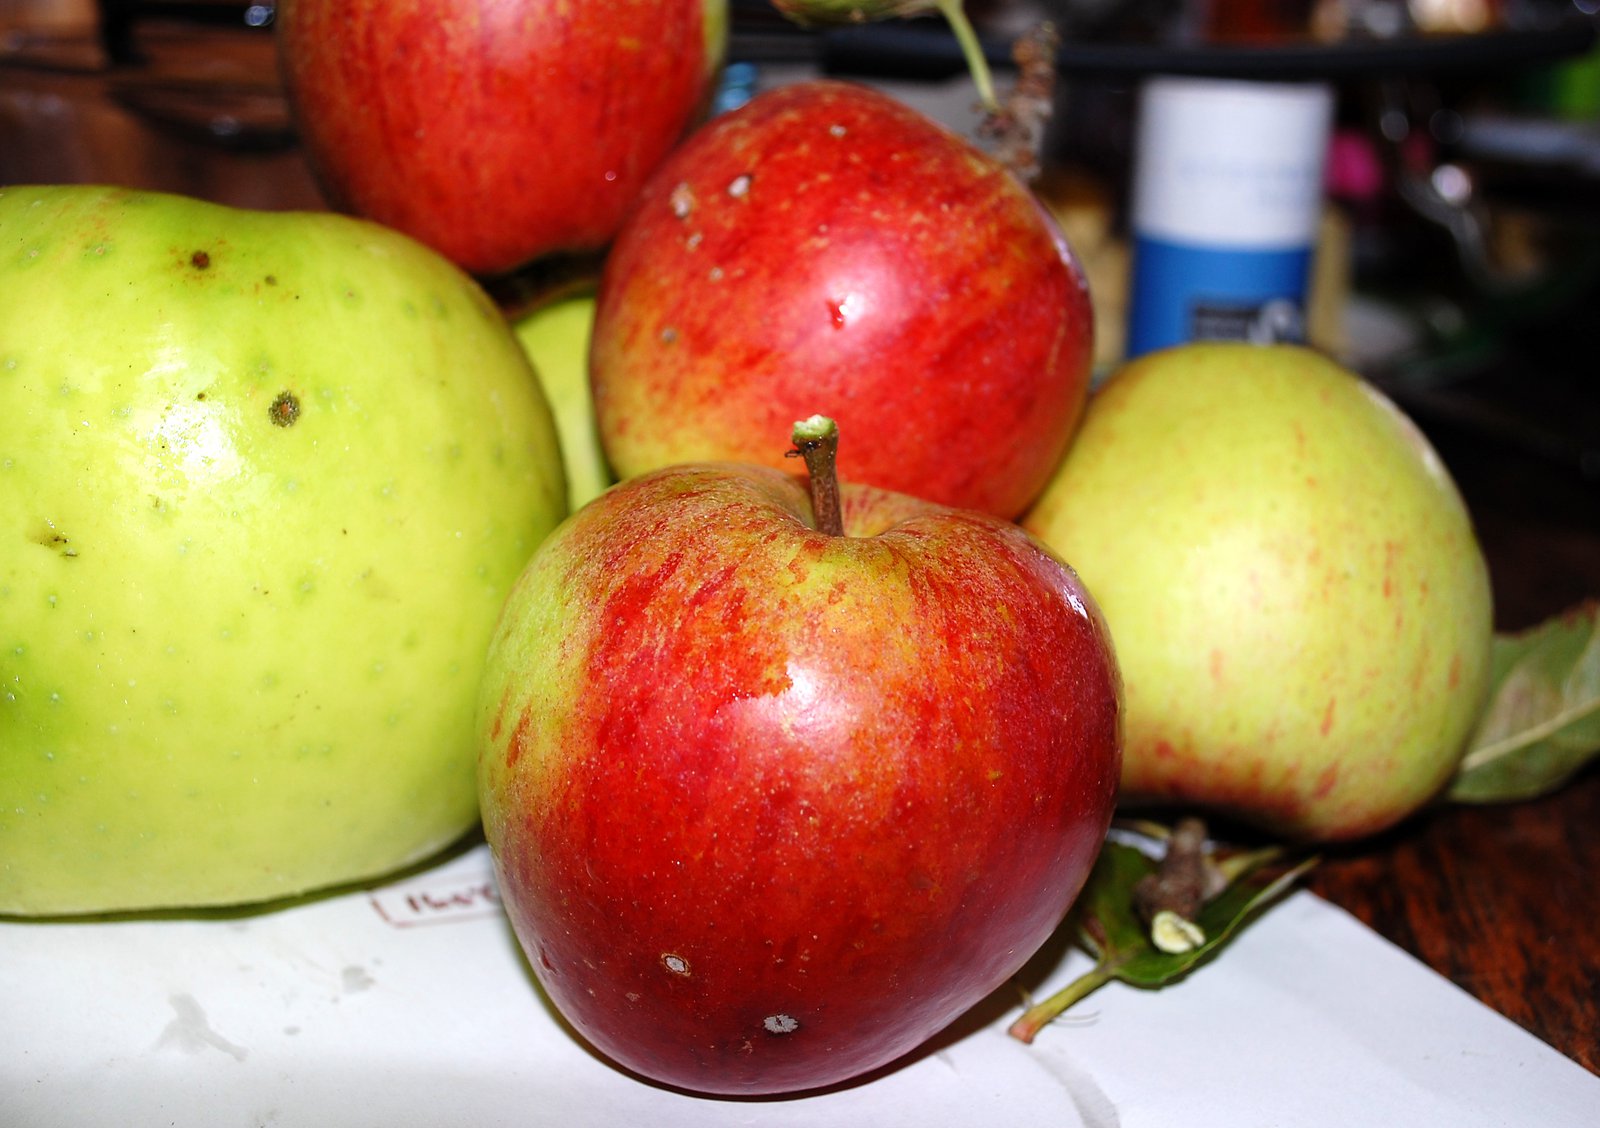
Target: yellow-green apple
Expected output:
[496,131]
[772,804]
[1300,605]
[266,480]
[555,335]
[827,243]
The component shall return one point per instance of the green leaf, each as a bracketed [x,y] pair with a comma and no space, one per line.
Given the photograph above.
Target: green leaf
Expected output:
[1110,929]
[1542,721]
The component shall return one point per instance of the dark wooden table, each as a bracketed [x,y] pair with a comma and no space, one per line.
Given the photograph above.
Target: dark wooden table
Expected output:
[1498,899]
[1501,899]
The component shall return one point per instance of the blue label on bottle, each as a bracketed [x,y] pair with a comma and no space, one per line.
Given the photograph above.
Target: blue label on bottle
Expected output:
[1182,293]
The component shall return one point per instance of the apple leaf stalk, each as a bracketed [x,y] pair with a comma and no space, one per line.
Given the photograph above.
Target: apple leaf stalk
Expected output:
[817,441]
[1149,922]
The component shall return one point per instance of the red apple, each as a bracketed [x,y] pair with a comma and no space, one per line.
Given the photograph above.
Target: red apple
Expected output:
[496,131]
[769,805]
[825,242]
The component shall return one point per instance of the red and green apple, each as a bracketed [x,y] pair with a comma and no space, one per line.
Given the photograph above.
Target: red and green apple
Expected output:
[1301,608]
[771,804]
[496,131]
[827,243]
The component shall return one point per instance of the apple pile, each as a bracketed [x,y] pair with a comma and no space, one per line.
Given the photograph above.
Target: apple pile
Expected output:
[779,776]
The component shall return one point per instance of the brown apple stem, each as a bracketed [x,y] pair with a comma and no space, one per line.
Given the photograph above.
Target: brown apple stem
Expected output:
[817,441]
[1170,899]
[1018,126]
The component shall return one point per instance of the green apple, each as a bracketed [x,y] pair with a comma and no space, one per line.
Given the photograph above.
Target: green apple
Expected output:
[556,338]
[1297,597]
[265,481]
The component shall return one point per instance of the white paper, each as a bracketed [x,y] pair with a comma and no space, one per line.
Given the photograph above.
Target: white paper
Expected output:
[412,1005]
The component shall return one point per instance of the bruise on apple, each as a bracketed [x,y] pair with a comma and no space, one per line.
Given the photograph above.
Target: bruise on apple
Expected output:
[51,537]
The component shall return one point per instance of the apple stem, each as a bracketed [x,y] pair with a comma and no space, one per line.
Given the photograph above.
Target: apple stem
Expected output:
[956,15]
[1018,126]
[817,441]
[1182,882]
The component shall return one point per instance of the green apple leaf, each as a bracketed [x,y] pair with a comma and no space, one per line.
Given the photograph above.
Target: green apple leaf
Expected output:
[1126,946]
[1542,721]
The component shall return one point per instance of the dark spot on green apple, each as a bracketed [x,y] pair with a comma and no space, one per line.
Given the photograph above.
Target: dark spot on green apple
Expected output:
[271,280]
[200,260]
[51,537]
[284,409]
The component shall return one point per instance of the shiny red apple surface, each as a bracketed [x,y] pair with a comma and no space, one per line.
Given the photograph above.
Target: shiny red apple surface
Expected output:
[826,243]
[771,807]
[496,131]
